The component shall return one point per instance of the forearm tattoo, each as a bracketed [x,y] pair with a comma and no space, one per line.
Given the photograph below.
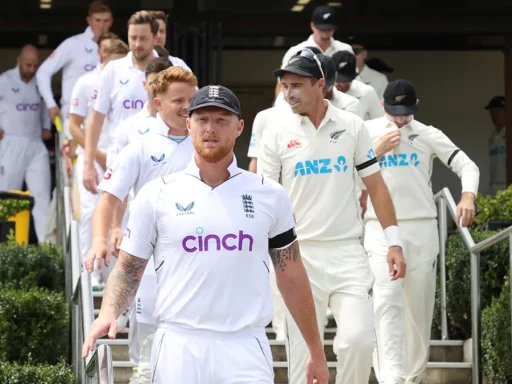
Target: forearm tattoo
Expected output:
[123,283]
[282,257]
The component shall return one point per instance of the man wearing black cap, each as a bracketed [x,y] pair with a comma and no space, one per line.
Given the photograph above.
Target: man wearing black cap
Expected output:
[406,149]
[498,145]
[315,153]
[210,229]
[346,67]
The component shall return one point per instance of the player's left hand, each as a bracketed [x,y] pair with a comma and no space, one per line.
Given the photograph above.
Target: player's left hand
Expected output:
[46,134]
[317,371]
[396,263]
[466,210]
[100,327]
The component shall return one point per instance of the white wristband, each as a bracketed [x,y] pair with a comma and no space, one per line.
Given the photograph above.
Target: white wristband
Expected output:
[393,236]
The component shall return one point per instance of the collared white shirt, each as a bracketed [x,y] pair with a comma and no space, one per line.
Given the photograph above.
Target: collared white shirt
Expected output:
[177,62]
[121,92]
[76,55]
[22,110]
[317,168]
[334,47]
[498,155]
[144,160]
[407,170]
[82,99]
[375,79]
[210,246]
[369,102]
[129,130]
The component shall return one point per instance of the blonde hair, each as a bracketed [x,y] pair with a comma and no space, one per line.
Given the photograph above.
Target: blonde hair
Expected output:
[116,47]
[171,75]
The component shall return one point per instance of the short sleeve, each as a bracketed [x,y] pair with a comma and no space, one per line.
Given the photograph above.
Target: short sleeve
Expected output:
[79,99]
[258,126]
[282,233]
[365,158]
[141,232]
[101,93]
[269,159]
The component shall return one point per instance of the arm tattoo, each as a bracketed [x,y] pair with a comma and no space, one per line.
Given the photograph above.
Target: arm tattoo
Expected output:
[123,283]
[281,257]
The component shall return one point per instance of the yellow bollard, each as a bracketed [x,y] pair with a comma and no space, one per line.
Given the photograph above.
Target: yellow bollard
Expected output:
[21,222]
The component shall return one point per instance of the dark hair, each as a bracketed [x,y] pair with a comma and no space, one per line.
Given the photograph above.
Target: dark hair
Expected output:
[315,50]
[160,15]
[107,36]
[329,69]
[158,65]
[144,17]
[162,52]
[99,6]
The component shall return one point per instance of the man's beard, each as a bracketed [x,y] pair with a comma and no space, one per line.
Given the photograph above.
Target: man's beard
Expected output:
[141,56]
[212,155]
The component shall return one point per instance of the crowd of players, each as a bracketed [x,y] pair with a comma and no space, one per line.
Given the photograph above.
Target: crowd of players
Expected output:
[339,167]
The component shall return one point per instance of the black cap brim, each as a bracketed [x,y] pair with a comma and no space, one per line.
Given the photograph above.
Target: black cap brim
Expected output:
[325,27]
[490,106]
[281,72]
[344,78]
[213,104]
[400,110]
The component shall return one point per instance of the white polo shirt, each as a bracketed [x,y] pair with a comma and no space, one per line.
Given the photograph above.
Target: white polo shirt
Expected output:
[378,81]
[22,110]
[317,168]
[498,155]
[177,62]
[82,99]
[144,160]
[76,56]
[334,47]
[369,102]
[121,91]
[407,170]
[210,246]
[129,130]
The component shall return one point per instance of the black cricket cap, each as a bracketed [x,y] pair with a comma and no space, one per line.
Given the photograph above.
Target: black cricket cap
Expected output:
[357,44]
[215,96]
[400,98]
[324,18]
[329,69]
[302,64]
[346,66]
[379,65]
[496,102]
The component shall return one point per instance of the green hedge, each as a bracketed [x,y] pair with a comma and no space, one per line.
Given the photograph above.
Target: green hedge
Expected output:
[16,373]
[10,207]
[25,267]
[33,323]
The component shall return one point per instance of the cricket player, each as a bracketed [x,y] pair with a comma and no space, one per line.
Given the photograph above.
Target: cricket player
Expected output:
[315,155]
[498,145]
[76,56]
[82,98]
[404,308]
[378,81]
[24,124]
[121,92]
[346,67]
[219,223]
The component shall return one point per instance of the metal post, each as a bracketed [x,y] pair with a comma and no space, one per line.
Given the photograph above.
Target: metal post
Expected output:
[475,317]
[443,234]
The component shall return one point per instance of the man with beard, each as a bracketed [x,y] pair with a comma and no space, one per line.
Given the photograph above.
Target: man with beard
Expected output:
[210,229]
[23,122]
[121,93]
[315,153]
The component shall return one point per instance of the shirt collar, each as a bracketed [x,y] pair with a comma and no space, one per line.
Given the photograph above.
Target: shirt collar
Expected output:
[193,169]
[88,33]
[390,124]
[162,128]
[330,114]
[311,42]
[129,58]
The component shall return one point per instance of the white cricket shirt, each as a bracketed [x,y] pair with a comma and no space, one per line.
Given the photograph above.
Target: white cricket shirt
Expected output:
[144,160]
[76,55]
[82,99]
[407,170]
[22,110]
[210,246]
[334,47]
[498,157]
[121,91]
[177,62]
[378,81]
[369,101]
[129,130]
[317,168]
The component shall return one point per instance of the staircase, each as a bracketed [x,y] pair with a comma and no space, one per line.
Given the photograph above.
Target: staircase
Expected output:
[446,364]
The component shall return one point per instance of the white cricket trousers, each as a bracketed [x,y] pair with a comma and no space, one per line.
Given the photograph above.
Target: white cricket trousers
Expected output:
[403,308]
[340,278]
[188,356]
[26,159]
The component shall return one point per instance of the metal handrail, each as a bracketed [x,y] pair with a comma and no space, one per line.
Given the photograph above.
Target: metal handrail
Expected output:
[444,200]
[100,365]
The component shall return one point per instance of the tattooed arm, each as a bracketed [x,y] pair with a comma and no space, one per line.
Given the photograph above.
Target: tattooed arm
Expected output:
[293,283]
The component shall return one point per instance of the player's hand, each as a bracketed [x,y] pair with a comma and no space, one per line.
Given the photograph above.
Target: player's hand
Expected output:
[466,210]
[316,370]
[1,133]
[388,142]
[101,159]
[97,254]
[46,134]
[90,179]
[102,326]
[116,236]
[53,113]
[396,263]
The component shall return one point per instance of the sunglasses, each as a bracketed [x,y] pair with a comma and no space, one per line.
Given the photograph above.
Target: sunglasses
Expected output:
[310,55]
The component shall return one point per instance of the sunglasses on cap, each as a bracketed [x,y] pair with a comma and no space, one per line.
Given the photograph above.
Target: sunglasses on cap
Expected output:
[310,55]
